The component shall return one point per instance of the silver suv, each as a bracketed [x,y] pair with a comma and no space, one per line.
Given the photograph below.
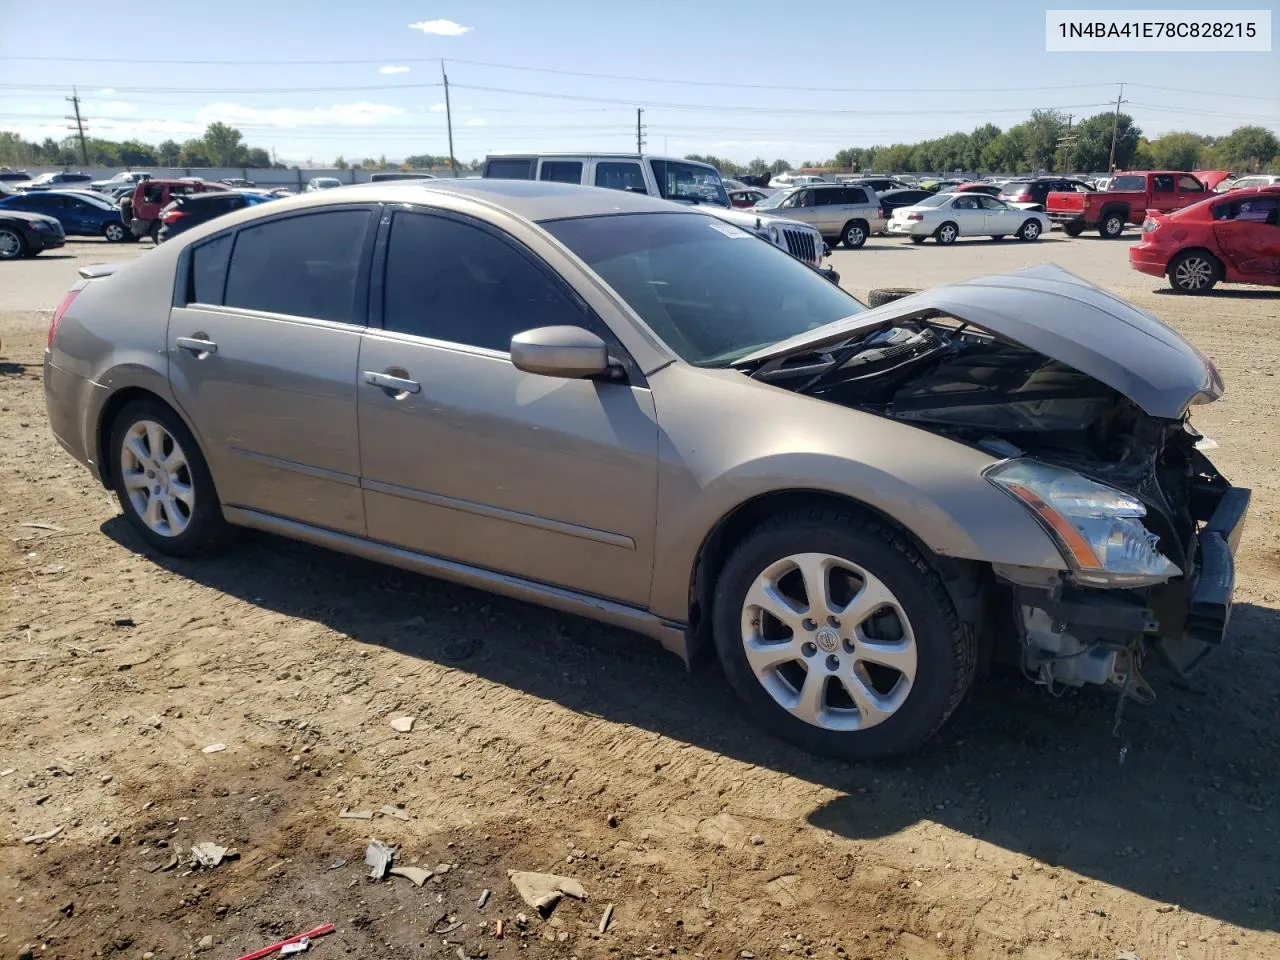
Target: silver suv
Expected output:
[667,177]
[843,213]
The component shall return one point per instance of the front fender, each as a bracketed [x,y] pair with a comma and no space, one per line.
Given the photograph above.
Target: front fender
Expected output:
[766,440]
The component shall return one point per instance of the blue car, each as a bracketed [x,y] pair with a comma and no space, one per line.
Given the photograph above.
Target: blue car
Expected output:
[81,214]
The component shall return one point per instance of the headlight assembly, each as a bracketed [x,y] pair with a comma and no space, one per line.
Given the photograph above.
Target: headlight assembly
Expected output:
[1098,528]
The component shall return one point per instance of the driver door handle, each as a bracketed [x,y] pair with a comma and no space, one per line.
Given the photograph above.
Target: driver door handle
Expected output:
[196,345]
[387,382]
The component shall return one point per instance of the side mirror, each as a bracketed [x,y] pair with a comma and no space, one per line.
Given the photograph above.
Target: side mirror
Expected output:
[568,352]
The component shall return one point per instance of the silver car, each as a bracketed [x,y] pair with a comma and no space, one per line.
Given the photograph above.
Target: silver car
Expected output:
[630,410]
[843,213]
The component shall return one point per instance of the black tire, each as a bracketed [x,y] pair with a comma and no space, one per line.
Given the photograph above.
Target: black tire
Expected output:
[1030,230]
[205,527]
[1111,226]
[1073,229]
[114,232]
[947,654]
[915,238]
[154,232]
[999,236]
[883,295]
[854,234]
[947,234]
[13,246]
[1194,272]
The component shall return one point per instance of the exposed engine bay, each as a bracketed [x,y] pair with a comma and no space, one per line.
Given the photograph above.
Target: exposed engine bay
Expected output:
[952,378]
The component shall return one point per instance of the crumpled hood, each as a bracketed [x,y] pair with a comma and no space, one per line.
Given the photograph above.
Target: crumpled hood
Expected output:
[1055,313]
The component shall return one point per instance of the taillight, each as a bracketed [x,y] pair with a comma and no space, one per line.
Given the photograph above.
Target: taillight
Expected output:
[1023,198]
[879,213]
[57,314]
[1150,226]
[915,216]
[172,216]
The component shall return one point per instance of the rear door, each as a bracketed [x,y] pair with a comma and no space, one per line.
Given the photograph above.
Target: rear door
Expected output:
[833,209]
[1248,235]
[263,348]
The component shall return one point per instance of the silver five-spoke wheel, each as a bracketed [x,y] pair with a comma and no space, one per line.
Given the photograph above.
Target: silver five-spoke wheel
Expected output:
[828,641]
[157,478]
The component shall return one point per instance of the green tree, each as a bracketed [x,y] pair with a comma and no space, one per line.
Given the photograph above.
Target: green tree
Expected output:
[1246,149]
[194,153]
[1177,150]
[981,137]
[1093,142]
[169,153]
[779,166]
[256,157]
[341,163]
[222,144]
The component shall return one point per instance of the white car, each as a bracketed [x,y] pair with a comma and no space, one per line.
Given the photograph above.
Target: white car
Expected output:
[321,183]
[784,180]
[948,216]
[1253,180]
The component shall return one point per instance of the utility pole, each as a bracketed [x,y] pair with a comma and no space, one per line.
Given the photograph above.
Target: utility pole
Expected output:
[74,100]
[448,116]
[1066,142]
[639,131]
[1115,126]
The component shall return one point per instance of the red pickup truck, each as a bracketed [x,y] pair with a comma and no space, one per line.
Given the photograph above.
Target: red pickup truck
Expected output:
[141,212]
[1127,200]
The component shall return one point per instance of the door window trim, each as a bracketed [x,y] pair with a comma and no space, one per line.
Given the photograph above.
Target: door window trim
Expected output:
[377,289]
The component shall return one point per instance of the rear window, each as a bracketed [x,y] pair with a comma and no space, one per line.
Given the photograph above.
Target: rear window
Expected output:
[1015,187]
[1130,183]
[521,169]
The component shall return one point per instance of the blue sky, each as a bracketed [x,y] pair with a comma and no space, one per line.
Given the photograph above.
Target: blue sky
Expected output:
[739,79]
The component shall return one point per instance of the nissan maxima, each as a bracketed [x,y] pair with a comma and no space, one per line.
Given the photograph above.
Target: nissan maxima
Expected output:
[635,412]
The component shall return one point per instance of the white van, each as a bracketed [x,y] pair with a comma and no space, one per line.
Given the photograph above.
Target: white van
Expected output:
[684,181]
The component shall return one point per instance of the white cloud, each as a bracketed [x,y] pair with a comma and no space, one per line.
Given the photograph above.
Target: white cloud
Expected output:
[438,108]
[106,91]
[340,114]
[478,122]
[441,28]
[391,69]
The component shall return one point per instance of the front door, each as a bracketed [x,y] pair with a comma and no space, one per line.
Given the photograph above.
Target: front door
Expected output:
[465,457]
[263,358]
[1248,235]
[969,215]
[1000,219]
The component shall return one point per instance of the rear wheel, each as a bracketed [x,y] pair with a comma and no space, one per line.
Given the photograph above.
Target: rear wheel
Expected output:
[154,231]
[947,233]
[1030,230]
[163,483]
[1112,226]
[114,232]
[854,234]
[918,239]
[839,636]
[1073,229]
[1194,271]
[12,245]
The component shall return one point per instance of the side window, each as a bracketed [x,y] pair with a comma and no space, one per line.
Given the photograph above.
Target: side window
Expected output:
[1190,184]
[1162,183]
[857,195]
[830,197]
[304,266]
[513,169]
[152,194]
[451,281]
[209,270]
[561,171]
[618,175]
[1254,210]
[990,203]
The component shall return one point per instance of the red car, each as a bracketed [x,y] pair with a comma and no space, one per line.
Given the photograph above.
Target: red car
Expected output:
[746,198]
[977,186]
[1232,238]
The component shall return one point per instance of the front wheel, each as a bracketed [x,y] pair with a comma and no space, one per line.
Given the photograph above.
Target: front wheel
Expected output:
[114,232]
[1030,230]
[839,635]
[163,483]
[1194,272]
[12,244]
[947,233]
[1112,226]
[854,234]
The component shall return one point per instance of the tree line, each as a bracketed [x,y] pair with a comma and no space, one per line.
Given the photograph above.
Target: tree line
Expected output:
[1051,141]
[221,146]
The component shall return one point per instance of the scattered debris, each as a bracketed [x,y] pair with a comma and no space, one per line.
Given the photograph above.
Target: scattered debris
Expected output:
[484,898]
[206,942]
[298,946]
[210,855]
[214,748]
[172,864]
[320,931]
[449,927]
[67,909]
[402,724]
[40,525]
[346,813]
[378,857]
[604,921]
[1167,908]
[613,819]
[105,778]
[41,799]
[460,774]
[543,891]
[418,875]
[8,770]
[497,930]
[42,837]
[1127,955]
[338,864]
[387,810]
[124,622]
[442,869]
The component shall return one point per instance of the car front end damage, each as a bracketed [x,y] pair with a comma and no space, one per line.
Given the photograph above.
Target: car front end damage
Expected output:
[1083,401]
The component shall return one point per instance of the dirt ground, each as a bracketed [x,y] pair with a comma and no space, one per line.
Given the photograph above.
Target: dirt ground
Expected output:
[1027,829]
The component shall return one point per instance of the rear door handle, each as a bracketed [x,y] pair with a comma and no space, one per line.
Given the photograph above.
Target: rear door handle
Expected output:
[197,345]
[387,382]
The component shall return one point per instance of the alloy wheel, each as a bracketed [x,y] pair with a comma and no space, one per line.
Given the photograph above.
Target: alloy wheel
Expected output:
[10,245]
[1193,273]
[947,234]
[828,641]
[157,478]
[1031,230]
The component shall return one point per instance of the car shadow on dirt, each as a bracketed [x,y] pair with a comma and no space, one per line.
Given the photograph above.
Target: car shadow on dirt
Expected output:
[1228,294]
[1179,806]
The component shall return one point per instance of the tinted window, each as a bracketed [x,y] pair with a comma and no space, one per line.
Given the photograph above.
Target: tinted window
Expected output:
[857,195]
[209,270]
[509,169]
[561,171]
[832,197]
[1130,183]
[1162,183]
[306,266]
[1191,184]
[1015,187]
[452,281]
[620,176]
[1253,209]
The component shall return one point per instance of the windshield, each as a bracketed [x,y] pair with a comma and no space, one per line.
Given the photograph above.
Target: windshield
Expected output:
[689,181]
[773,201]
[937,200]
[712,292]
[44,178]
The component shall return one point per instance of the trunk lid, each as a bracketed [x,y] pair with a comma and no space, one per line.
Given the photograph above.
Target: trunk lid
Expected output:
[1057,314]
